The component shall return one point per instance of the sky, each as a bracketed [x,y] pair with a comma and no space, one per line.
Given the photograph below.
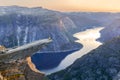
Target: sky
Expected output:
[68,5]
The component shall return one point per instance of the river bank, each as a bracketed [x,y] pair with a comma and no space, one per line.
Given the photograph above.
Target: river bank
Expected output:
[88,39]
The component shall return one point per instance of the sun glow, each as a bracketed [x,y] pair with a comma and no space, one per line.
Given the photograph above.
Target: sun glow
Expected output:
[68,5]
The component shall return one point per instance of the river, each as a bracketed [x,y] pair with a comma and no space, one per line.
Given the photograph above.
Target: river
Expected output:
[88,39]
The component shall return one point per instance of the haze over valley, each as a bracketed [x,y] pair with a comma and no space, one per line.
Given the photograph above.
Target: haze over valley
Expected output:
[84,45]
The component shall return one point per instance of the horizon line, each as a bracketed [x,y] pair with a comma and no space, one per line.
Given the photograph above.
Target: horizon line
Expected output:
[60,10]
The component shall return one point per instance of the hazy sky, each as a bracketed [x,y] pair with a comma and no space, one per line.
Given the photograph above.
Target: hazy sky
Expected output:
[68,5]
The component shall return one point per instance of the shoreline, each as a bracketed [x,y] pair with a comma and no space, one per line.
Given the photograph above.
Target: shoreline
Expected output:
[46,61]
[32,66]
[88,39]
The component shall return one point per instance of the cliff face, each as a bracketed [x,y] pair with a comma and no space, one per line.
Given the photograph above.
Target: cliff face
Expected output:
[18,70]
[20,25]
[100,64]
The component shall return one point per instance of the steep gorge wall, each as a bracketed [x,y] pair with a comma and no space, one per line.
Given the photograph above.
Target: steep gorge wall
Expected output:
[20,25]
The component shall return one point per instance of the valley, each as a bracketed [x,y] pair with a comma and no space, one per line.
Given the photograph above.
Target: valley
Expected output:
[85,45]
[87,39]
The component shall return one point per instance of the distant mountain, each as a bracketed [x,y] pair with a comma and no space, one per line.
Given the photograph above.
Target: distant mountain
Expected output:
[112,30]
[21,25]
[102,63]
[84,20]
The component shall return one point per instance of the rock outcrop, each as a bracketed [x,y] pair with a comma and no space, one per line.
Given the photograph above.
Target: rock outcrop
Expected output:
[18,70]
[15,64]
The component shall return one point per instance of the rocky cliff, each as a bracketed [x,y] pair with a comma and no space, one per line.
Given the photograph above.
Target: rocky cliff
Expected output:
[102,63]
[18,70]
[15,64]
